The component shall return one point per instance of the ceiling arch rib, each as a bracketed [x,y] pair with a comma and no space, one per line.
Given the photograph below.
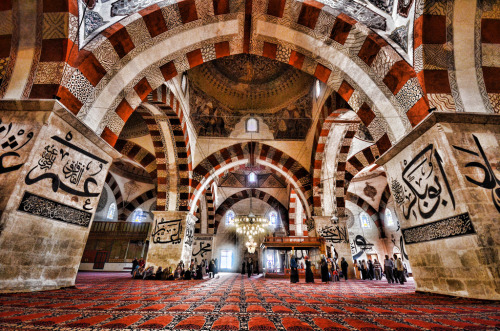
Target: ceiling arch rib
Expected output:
[247,194]
[141,68]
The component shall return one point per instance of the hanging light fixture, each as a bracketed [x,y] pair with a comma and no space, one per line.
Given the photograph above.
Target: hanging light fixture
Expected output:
[251,225]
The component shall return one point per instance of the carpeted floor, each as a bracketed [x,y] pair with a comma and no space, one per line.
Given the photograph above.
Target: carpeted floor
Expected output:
[232,302]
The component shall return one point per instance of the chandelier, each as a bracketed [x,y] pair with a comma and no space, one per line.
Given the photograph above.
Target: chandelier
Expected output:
[251,245]
[250,225]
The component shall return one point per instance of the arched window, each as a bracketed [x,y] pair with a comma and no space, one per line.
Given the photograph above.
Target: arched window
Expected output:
[252,177]
[365,220]
[111,211]
[138,215]
[184,83]
[389,221]
[273,218]
[230,217]
[252,125]
[317,88]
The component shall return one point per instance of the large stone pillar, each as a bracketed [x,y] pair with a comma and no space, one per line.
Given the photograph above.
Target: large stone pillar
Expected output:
[445,179]
[335,234]
[52,169]
[171,239]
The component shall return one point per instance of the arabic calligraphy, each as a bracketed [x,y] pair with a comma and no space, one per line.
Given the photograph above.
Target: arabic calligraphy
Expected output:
[334,234]
[74,170]
[10,145]
[310,224]
[490,181]
[425,177]
[359,246]
[449,227]
[204,248]
[43,207]
[167,232]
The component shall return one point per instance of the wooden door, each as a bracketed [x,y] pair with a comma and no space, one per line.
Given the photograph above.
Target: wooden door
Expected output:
[100,259]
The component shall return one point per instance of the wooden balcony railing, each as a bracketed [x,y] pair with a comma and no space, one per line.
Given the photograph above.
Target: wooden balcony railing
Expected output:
[120,227]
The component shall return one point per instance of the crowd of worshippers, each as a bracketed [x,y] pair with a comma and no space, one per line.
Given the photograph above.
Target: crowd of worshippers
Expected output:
[195,270]
[393,269]
[330,270]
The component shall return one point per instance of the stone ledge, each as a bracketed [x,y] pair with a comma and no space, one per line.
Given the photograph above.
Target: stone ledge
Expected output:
[429,122]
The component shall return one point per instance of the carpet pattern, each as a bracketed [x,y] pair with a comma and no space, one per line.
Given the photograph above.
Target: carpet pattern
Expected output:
[234,302]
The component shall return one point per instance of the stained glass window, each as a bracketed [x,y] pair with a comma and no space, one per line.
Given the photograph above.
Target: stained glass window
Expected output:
[365,220]
[252,125]
[273,218]
[111,211]
[230,217]
[389,221]
[252,177]
[138,215]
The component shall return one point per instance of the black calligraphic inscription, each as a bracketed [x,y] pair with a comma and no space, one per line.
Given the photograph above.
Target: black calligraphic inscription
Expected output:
[424,182]
[73,170]
[204,248]
[334,234]
[43,207]
[490,180]
[167,232]
[10,144]
[362,244]
[446,228]
[189,236]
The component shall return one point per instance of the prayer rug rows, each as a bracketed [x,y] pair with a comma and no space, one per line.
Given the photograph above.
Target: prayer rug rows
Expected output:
[235,302]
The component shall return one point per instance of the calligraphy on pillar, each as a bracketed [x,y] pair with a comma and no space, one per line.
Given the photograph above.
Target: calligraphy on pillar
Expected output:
[425,188]
[167,231]
[334,234]
[488,179]
[202,248]
[13,139]
[68,168]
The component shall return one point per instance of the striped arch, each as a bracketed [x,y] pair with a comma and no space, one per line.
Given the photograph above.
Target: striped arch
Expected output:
[161,97]
[247,194]
[143,50]
[115,188]
[209,198]
[132,205]
[386,195]
[239,154]
[138,154]
[361,203]
[341,156]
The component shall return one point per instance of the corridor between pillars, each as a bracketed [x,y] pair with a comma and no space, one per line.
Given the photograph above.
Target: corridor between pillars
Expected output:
[52,170]
[339,238]
[172,237]
[445,180]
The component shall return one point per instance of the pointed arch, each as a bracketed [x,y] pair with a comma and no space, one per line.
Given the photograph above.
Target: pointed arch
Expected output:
[247,194]
[138,154]
[361,203]
[132,205]
[239,154]
[115,188]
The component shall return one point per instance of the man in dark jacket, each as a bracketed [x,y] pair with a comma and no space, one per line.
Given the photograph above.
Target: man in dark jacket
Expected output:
[344,266]
[135,263]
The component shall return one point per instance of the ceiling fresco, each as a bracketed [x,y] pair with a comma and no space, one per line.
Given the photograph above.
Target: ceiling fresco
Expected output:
[224,91]
[392,19]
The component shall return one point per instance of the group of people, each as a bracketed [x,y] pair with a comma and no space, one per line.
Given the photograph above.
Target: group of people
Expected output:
[330,270]
[195,270]
[393,269]
[250,267]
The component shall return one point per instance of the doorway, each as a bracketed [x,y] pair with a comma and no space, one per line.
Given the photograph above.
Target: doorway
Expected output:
[100,259]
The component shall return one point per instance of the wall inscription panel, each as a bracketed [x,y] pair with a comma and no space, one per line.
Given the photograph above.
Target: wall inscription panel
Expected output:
[449,227]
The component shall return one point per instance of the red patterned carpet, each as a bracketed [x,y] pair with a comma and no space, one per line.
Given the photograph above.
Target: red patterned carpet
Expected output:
[232,302]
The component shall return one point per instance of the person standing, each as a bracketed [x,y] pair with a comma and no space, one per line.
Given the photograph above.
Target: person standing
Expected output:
[378,270]
[357,272]
[395,272]
[135,263]
[401,271]
[364,273]
[309,273]
[388,266]
[216,267]
[324,271]
[243,264]
[294,273]
[211,268]
[250,267]
[371,272]
[344,266]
